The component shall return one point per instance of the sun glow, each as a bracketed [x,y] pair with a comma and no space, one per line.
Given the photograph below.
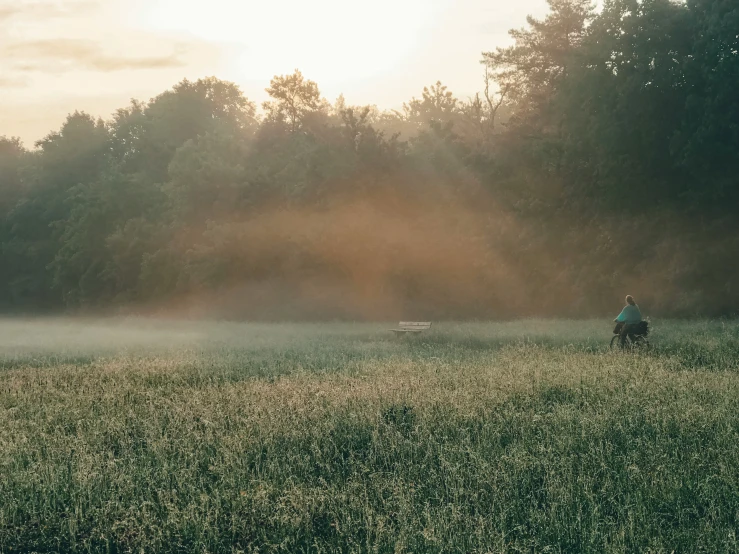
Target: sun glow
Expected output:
[332,41]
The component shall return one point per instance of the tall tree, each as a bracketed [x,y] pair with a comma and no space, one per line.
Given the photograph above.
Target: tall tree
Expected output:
[75,155]
[622,104]
[294,99]
[437,104]
[529,71]
[708,140]
[12,156]
[147,136]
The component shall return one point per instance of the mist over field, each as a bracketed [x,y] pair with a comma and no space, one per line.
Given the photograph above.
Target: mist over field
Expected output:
[169,436]
[201,297]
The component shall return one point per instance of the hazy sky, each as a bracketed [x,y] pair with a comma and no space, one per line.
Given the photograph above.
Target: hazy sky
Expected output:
[57,56]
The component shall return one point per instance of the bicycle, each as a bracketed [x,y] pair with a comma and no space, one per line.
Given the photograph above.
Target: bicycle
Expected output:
[636,341]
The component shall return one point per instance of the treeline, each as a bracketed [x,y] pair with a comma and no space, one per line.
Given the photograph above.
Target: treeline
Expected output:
[602,158]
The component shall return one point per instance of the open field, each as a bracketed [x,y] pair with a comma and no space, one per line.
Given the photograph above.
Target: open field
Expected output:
[154,436]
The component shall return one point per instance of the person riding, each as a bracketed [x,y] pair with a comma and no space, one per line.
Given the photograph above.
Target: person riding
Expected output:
[629,317]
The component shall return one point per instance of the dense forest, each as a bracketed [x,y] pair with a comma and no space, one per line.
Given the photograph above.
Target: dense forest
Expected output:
[600,158]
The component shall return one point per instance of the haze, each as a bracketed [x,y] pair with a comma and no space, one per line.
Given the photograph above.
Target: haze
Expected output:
[600,161]
[94,55]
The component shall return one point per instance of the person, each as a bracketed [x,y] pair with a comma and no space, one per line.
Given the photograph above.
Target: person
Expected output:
[629,317]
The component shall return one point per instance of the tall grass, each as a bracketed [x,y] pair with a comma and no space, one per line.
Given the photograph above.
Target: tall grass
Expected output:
[521,437]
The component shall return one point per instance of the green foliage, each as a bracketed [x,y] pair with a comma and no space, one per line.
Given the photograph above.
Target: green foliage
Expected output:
[296,100]
[437,104]
[12,157]
[600,156]
[708,138]
[531,71]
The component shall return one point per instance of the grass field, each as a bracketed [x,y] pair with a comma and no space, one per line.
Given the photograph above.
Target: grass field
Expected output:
[153,436]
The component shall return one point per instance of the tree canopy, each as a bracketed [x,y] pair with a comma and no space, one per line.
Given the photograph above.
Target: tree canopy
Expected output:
[599,159]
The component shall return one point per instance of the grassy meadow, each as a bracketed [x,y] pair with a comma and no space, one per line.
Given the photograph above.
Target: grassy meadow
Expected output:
[161,436]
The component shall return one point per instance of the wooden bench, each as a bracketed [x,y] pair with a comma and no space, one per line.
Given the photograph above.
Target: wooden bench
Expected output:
[414,327]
